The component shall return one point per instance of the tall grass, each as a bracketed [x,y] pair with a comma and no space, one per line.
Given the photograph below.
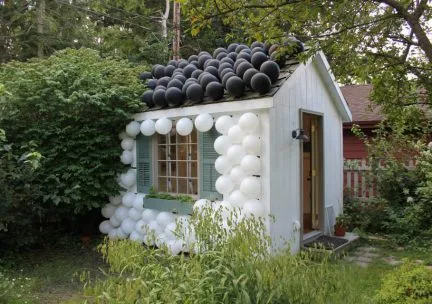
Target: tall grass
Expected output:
[233,266]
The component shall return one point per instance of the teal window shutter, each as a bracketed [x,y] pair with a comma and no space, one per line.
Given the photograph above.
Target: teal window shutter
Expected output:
[208,173]
[144,163]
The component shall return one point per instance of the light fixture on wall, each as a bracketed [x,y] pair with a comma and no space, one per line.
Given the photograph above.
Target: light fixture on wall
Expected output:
[300,134]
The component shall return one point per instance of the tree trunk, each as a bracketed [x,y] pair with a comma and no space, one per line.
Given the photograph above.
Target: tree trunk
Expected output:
[40,27]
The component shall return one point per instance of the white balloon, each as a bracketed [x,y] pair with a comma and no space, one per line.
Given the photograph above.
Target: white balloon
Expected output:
[112,234]
[141,227]
[120,234]
[136,237]
[237,199]
[105,227]
[171,227]
[227,208]
[222,144]
[163,126]
[123,135]
[128,225]
[108,210]
[252,144]
[235,154]
[164,218]
[237,175]
[121,213]
[175,247]
[201,204]
[254,207]
[149,215]
[236,134]
[138,203]
[115,200]
[127,157]
[251,165]
[114,221]
[224,184]
[129,178]
[223,165]
[251,187]
[147,127]
[249,122]
[204,122]
[184,126]
[133,128]
[155,227]
[127,143]
[149,240]
[134,214]
[161,240]
[128,199]
[223,124]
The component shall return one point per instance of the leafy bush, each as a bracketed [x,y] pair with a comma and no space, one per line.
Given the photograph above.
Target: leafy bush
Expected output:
[70,108]
[411,283]
[234,266]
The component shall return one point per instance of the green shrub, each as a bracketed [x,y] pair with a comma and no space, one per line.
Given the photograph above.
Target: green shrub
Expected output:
[411,283]
[234,266]
[70,108]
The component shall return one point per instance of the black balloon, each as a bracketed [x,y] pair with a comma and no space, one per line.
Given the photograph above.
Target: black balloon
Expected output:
[224,66]
[257,49]
[241,47]
[180,77]
[258,58]
[217,51]
[204,53]
[174,96]
[212,70]
[223,72]
[145,75]
[256,44]
[232,47]
[186,85]
[159,98]
[247,76]
[195,92]
[160,87]
[187,71]
[273,48]
[235,86]
[221,55]
[271,69]
[164,81]
[179,70]
[226,77]
[194,62]
[202,75]
[278,57]
[159,71]
[175,83]
[227,60]
[147,98]
[193,58]
[169,70]
[237,63]
[260,83]
[244,55]
[182,63]
[242,68]
[196,73]
[232,55]
[212,62]
[206,79]
[202,60]
[215,90]
[173,63]
[152,83]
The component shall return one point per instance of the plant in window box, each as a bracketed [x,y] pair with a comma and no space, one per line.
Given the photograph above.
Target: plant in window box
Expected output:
[342,222]
[161,201]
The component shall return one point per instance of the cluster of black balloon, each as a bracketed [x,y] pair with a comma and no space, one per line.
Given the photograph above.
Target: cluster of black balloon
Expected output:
[232,69]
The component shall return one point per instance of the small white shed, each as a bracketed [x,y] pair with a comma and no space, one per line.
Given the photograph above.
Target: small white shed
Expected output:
[295,133]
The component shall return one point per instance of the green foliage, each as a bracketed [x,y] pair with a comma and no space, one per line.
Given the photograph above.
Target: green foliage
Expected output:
[62,116]
[371,215]
[411,283]
[233,266]
[179,197]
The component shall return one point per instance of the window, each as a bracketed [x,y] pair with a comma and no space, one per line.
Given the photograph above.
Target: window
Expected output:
[177,163]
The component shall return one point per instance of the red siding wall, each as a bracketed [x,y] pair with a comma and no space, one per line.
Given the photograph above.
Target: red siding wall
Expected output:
[353,147]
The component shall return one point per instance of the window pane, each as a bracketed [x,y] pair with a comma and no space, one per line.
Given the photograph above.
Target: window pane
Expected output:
[161,139]
[193,151]
[162,152]
[182,152]
[182,168]
[162,168]
[162,184]
[172,168]
[183,139]
[194,136]
[172,185]
[182,188]
[193,187]
[193,167]
[172,152]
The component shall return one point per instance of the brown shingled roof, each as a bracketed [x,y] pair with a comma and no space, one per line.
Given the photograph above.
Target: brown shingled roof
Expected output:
[362,108]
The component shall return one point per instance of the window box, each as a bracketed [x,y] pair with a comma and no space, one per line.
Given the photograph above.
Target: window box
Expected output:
[173,206]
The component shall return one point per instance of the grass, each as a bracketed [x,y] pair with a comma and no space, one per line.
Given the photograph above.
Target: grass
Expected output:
[51,275]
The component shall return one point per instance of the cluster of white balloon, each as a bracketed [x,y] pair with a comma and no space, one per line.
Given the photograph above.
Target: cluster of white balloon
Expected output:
[239,147]
[239,163]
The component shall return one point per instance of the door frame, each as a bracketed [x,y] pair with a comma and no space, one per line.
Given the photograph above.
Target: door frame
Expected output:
[321,207]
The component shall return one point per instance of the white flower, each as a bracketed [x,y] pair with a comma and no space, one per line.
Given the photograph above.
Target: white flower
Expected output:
[410,200]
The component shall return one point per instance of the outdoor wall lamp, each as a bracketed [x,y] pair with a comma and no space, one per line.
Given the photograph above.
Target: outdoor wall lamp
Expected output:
[300,135]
